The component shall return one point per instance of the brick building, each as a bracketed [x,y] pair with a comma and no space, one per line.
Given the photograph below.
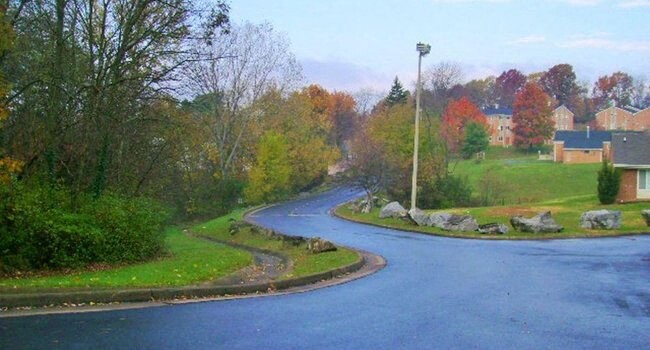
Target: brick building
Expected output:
[563,118]
[624,118]
[500,122]
[631,154]
[573,147]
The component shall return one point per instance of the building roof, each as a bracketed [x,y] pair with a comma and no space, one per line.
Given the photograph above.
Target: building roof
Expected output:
[561,107]
[580,140]
[497,111]
[631,148]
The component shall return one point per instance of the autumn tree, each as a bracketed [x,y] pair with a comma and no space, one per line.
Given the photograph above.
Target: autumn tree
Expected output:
[397,94]
[482,92]
[270,176]
[559,82]
[438,81]
[369,166]
[532,116]
[618,87]
[455,119]
[344,118]
[507,85]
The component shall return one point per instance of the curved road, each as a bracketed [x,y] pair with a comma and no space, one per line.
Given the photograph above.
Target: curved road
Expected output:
[434,293]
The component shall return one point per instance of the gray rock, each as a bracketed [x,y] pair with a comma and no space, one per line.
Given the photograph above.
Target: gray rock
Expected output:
[460,223]
[393,210]
[646,216]
[601,219]
[318,245]
[437,219]
[236,226]
[419,217]
[295,241]
[540,223]
[493,228]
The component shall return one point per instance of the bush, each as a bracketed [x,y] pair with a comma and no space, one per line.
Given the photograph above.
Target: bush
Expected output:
[609,181]
[39,229]
[446,192]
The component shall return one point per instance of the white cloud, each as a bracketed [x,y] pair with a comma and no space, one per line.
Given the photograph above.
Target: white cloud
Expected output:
[531,39]
[582,2]
[634,3]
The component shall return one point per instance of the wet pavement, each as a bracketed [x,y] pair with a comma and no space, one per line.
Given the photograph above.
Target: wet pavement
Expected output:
[435,293]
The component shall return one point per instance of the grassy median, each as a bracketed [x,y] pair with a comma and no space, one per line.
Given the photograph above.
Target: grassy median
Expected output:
[566,212]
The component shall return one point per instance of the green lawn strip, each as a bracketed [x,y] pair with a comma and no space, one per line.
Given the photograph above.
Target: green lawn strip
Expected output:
[193,260]
[567,213]
[304,262]
[528,180]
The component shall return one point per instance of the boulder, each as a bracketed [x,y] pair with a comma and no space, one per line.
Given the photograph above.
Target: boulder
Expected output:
[540,223]
[601,219]
[493,228]
[419,217]
[437,219]
[236,226]
[318,245]
[459,223]
[646,216]
[393,210]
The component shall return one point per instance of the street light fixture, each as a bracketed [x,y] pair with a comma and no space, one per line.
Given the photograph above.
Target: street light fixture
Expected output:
[423,49]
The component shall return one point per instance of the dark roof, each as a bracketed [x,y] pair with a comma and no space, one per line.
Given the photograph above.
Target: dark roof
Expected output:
[495,111]
[631,109]
[631,148]
[579,139]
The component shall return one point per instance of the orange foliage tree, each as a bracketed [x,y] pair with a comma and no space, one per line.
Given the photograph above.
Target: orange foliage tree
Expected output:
[532,116]
[457,115]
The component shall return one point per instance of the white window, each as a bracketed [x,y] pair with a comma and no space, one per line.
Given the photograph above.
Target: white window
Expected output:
[644,179]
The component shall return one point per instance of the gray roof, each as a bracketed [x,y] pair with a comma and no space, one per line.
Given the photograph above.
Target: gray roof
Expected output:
[579,139]
[631,148]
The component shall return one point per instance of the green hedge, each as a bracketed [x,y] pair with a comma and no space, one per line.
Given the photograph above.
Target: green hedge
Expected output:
[41,229]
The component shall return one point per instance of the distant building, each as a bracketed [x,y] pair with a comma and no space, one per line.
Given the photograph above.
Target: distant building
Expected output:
[500,122]
[624,118]
[563,118]
[631,153]
[573,147]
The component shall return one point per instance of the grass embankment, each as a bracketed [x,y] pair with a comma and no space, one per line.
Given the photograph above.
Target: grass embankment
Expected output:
[304,262]
[566,212]
[192,260]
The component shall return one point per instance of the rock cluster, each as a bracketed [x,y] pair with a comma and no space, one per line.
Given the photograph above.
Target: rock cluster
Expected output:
[445,221]
[540,223]
[601,219]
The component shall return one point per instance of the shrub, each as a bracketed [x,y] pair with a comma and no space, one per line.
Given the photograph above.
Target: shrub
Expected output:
[446,192]
[609,181]
[39,229]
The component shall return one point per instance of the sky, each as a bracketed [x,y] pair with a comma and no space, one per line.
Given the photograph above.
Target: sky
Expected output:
[348,45]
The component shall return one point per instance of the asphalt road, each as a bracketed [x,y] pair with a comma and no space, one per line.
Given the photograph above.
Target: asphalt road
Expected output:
[434,293]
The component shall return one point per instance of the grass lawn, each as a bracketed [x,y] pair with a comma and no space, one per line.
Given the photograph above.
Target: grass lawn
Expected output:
[527,180]
[566,212]
[304,262]
[192,260]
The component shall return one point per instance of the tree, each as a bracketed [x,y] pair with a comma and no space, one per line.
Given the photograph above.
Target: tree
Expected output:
[618,87]
[344,117]
[369,164]
[438,82]
[609,181]
[507,85]
[455,119]
[531,116]
[482,92]
[397,94]
[559,82]
[476,139]
[236,69]
[270,176]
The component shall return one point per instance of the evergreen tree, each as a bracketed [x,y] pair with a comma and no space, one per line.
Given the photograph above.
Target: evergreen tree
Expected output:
[397,94]
[476,140]
[609,181]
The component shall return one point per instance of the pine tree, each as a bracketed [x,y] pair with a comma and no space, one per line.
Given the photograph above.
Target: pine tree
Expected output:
[476,140]
[397,94]
[609,181]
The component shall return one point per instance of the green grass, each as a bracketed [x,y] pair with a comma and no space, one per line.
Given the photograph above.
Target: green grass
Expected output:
[304,262]
[192,260]
[525,179]
[566,212]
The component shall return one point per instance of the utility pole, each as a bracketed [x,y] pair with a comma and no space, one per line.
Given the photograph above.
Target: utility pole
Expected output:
[423,50]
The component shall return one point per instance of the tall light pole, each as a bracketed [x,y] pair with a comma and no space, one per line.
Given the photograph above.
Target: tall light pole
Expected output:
[423,50]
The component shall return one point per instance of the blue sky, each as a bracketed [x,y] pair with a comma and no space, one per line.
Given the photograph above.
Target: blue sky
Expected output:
[348,45]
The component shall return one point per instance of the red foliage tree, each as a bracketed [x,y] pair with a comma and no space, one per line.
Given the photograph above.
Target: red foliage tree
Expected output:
[617,87]
[532,116]
[457,115]
[508,84]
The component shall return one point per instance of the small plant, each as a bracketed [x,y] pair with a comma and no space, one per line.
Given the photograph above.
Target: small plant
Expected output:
[609,181]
